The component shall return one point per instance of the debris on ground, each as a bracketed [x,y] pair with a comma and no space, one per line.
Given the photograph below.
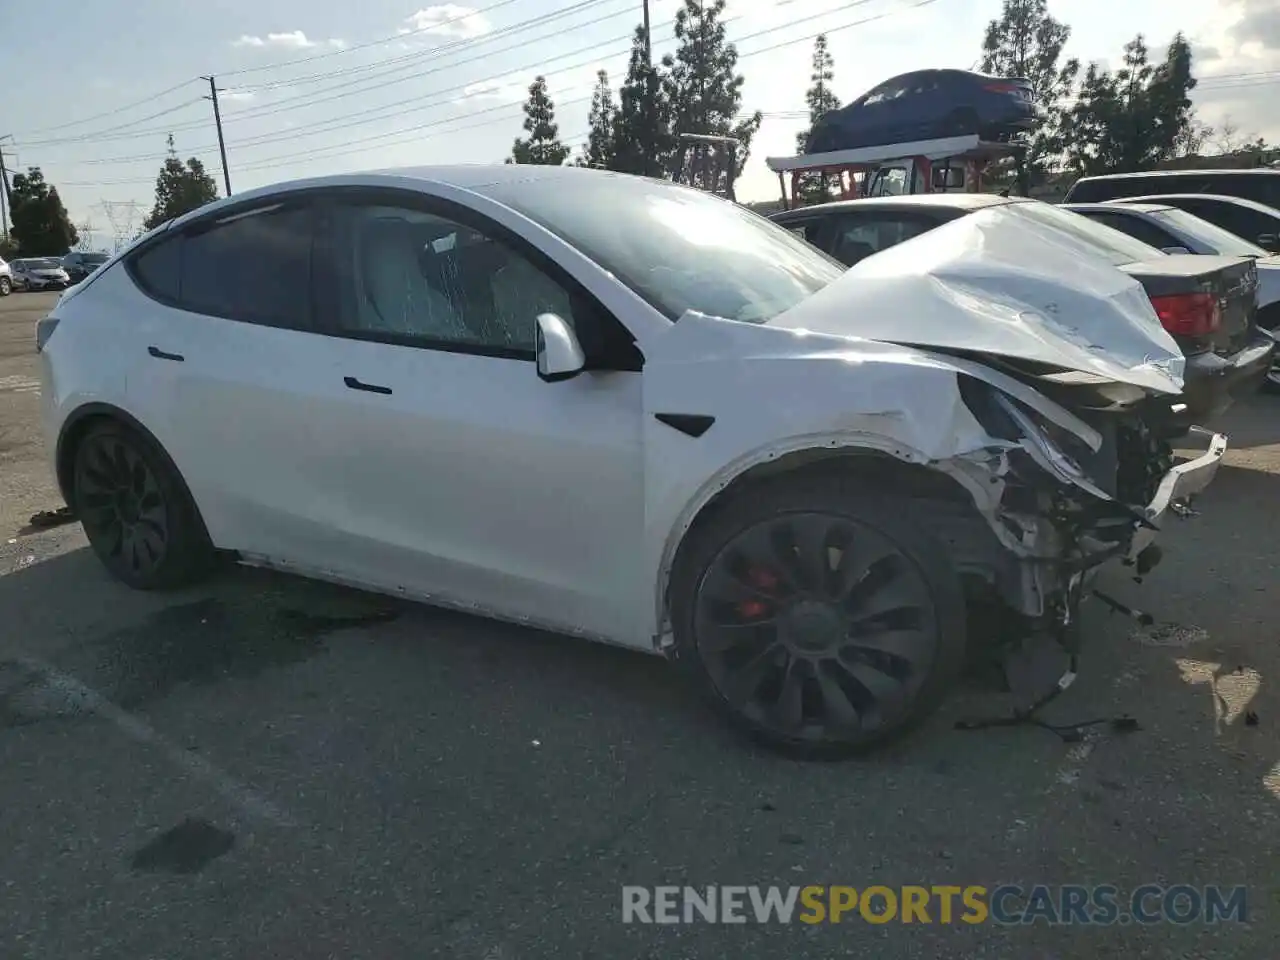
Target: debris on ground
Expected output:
[47,519]
[1169,635]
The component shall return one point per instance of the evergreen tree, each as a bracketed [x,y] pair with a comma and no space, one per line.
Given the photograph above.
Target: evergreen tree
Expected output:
[702,82]
[642,126]
[542,146]
[1027,42]
[41,227]
[180,188]
[821,99]
[599,148]
[1135,118]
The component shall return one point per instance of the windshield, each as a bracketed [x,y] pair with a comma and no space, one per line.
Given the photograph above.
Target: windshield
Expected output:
[678,248]
[39,263]
[1210,234]
[1119,248]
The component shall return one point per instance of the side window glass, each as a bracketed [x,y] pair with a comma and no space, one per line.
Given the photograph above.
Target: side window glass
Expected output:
[254,267]
[410,274]
[156,268]
[1137,228]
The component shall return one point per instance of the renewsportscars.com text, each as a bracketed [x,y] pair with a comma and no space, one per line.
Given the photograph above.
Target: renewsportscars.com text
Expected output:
[940,904]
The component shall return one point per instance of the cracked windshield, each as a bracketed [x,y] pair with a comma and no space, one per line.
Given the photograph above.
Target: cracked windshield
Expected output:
[702,479]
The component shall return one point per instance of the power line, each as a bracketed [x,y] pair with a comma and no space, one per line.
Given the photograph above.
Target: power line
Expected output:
[435,27]
[414,104]
[357,146]
[118,110]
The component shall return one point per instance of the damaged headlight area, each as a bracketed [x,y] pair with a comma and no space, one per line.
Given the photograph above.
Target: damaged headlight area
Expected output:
[1069,499]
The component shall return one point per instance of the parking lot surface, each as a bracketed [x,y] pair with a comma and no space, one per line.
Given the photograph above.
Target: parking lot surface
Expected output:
[266,767]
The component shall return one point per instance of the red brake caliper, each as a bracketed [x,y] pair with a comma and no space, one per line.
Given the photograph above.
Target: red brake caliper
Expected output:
[765,581]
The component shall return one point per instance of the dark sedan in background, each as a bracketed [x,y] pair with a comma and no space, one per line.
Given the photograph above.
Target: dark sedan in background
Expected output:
[1208,304]
[1255,222]
[80,265]
[927,104]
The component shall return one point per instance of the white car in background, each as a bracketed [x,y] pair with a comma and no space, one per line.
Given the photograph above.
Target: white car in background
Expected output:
[6,278]
[627,410]
[39,273]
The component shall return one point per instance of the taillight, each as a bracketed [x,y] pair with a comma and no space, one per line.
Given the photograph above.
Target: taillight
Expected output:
[1003,88]
[1188,314]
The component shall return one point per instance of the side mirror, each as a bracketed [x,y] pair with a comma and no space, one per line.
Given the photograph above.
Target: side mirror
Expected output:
[1174,251]
[560,355]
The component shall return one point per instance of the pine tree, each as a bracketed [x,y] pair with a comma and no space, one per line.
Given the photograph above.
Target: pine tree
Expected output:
[180,188]
[41,226]
[821,100]
[642,126]
[1133,119]
[1026,41]
[599,148]
[543,144]
[702,81]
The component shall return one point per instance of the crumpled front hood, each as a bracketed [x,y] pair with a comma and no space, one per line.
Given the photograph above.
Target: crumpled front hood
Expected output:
[997,283]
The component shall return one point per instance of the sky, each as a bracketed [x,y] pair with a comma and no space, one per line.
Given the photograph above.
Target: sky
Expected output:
[309,87]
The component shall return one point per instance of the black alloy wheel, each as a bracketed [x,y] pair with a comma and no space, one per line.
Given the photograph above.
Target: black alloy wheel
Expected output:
[136,512]
[815,627]
[121,505]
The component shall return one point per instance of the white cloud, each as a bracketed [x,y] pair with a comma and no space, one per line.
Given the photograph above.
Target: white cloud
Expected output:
[292,40]
[1236,56]
[448,20]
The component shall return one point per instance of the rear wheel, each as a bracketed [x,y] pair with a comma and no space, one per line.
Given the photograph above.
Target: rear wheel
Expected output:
[136,512]
[817,617]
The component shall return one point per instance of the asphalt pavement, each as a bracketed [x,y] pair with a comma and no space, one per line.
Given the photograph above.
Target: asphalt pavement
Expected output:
[265,767]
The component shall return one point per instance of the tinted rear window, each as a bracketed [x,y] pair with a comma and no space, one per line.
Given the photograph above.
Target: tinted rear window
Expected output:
[155,269]
[1119,248]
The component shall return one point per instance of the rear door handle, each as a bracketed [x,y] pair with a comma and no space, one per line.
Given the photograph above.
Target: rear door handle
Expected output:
[161,355]
[355,384]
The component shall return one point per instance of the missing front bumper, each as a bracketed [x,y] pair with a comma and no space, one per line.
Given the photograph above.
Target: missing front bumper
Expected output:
[1179,485]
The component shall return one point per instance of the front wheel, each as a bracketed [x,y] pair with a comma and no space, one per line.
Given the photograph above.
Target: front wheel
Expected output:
[5,287]
[136,512]
[818,617]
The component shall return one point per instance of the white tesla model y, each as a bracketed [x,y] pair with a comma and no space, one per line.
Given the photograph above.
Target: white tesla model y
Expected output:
[627,410]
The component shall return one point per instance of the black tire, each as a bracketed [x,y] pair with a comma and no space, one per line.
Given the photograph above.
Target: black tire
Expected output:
[920,671]
[1269,319]
[5,287]
[136,511]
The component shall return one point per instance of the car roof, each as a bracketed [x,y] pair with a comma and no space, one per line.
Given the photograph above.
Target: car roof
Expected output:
[1251,171]
[1142,207]
[954,201]
[477,178]
[1236,201]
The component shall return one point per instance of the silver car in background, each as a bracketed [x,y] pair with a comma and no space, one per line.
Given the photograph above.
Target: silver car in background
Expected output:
[39,273]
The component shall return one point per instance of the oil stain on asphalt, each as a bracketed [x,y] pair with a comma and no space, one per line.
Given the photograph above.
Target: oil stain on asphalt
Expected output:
[186,848]
[207,641]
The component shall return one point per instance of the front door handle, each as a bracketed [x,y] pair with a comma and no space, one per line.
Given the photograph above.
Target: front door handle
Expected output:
[161,355]
[355,384]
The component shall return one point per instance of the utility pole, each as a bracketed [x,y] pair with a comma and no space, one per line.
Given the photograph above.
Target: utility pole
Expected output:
[648,43]
[6,198]
[217,119]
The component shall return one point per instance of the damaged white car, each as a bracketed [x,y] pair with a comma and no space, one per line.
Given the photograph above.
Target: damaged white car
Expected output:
[630,411]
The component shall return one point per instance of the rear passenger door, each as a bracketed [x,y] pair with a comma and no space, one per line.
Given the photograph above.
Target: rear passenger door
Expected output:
[233,371]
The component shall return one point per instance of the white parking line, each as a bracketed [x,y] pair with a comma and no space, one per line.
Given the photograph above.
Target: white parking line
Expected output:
[16,384]
[78,695]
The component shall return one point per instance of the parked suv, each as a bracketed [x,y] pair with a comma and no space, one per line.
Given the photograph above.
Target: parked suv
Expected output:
[80,265]
[1261,186]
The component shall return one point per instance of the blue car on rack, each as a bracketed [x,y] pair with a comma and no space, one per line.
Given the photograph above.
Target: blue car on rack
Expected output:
[927,104]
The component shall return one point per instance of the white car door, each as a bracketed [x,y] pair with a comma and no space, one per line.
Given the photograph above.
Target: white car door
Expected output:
[452,470]
[230,375]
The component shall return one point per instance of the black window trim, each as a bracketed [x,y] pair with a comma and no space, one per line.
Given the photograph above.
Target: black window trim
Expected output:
[593,310]
[206,222]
